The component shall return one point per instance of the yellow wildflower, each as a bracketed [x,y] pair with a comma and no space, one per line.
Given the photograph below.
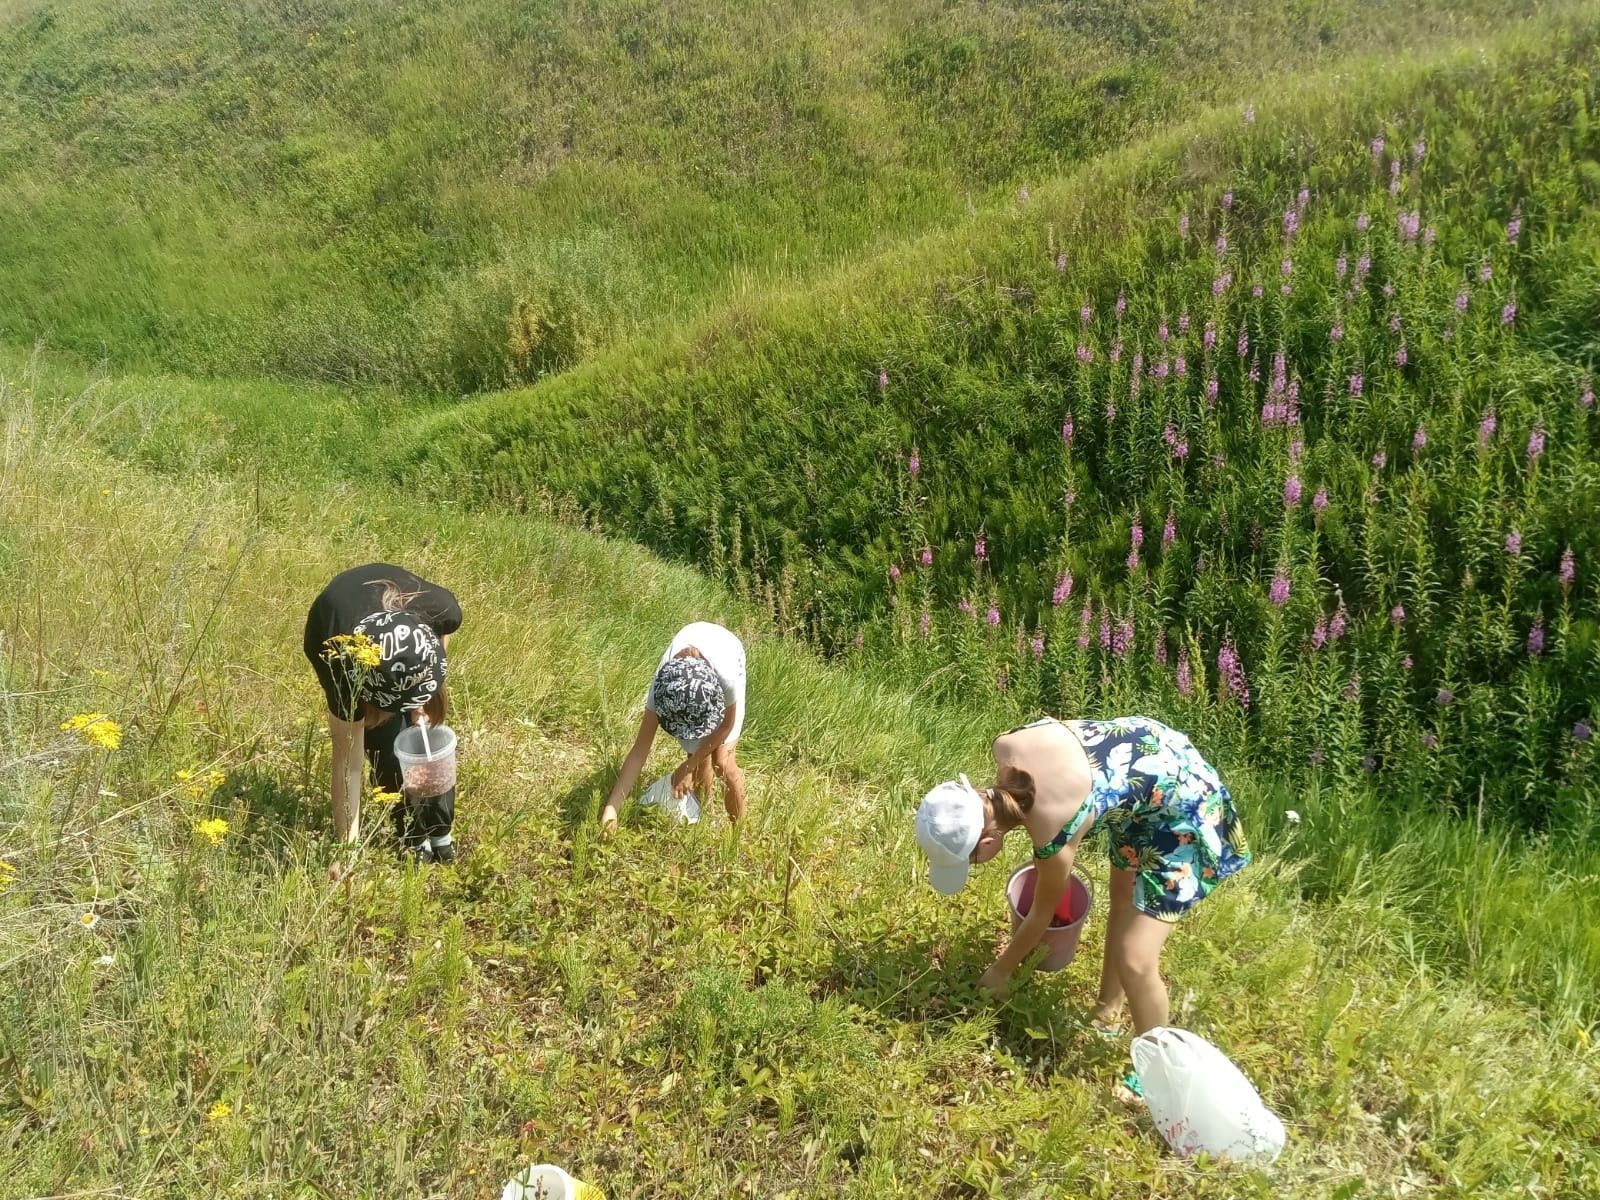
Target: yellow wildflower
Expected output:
[95,728]
[7,874]
[88,920]
[215,779]
[357,647]
[213,828]
[220,1111]
[379,796]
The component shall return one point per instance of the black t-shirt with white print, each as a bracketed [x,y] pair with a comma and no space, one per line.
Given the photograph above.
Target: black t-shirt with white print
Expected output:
[358,593]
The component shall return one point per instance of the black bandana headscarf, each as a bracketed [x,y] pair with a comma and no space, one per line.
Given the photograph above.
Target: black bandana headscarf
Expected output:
[687,697]
[413,668]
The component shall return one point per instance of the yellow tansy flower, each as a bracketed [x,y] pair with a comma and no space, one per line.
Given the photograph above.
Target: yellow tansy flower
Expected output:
[220,1111]
[214,829]
[379,796]
[95,728]
[357,647]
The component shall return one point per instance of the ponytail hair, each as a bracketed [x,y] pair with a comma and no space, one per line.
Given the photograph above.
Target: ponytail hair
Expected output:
[395,598]
[1012,804]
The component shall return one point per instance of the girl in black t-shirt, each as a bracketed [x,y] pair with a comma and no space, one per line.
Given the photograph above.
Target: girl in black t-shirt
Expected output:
[376,638]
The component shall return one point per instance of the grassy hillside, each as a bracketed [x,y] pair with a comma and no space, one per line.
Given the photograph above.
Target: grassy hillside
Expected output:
[784,1013]
[1286,411]
[466,195]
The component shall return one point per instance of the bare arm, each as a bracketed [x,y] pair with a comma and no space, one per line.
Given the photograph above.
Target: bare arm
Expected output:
[349,743]
[628,774]
[708,747]
[1054,874]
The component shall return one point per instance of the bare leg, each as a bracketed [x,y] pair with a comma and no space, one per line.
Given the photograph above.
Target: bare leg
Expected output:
[1108,1005]
[702,781]
[732,781]
[1138,961]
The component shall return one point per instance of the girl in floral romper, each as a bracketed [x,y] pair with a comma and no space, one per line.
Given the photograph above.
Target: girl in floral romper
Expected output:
[1173,832]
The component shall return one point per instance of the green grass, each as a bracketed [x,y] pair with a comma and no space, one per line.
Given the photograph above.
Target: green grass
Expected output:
[475,194]
[785,1012]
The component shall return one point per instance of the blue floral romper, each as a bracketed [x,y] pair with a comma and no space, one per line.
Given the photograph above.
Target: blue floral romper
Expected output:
[1170,818]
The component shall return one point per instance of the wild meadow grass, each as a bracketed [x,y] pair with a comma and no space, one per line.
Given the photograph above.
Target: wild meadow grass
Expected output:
[464,196]
[193,1009]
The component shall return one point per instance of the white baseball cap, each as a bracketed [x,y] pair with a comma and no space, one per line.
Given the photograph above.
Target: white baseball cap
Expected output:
[949,824]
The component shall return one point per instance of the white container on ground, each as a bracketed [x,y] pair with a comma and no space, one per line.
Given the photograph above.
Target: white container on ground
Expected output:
[427,767]
[684,808]
[546,1182]
[1201,1102]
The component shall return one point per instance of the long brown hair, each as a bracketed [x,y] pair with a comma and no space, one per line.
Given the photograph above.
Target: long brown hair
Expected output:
[1012,803]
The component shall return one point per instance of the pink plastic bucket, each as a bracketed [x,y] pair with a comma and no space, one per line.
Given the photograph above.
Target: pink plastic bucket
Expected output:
[1061,936]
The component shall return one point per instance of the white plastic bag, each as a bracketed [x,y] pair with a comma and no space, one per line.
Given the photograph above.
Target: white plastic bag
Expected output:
[685,808]
[1201,1102]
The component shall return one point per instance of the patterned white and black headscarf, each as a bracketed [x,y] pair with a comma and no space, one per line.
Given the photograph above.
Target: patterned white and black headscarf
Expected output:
[687,698]
[413,667]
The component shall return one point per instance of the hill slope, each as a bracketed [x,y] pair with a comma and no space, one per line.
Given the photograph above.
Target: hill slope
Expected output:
[464,195]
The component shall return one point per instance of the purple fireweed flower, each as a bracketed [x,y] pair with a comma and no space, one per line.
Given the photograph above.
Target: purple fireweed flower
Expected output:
[1397,615]
[1111,411]
[1336,623]
[992,616]
[1486,427]
[1400,355]
[1136,534]
[1122,637]
[1133,560]
[1183,323]
[1061,263]
[1287,289]
[1363,266]
[1209,338]
[1161,650]
[1303,198]
[1105,631]
[1355,384]
[1394,322]
[1211,388]
[1257,292]
[1169,533]
[1586,398]
[1508,314]
[1296,449]
[1116,350]
[1514,228]
[1535,444]
[1161,369]
[1070,497]
[1462,300]
[1380,459]
[1419,439]
[1085,314]
[1038,646]
[1180,366]
[1230,674]
[1569,570]
[1341,265]
[1319,502]
[1352,688]
[1183,225]
[1485,271]
[1169,435]
[980,547]
[1185,678]
[923,623]
[1062,591]
[1581,732]
[1002,679]
[1362,223]
[1407,663]
[1418,149]
[965,606]
[1286,267]
[1291,491]
[1279,592]
[1536,638]
[1250,115]
[1429,741]
[894,574]
[883,380]
[1291,222]
[1180,452]
[1122,304]
[1162,333]
[1255,370]
[1244,342]
[1336,334]
[1085,354]
[1388,290]
[1067,430]
[1377,146]
[1445,698]
[1319,633]
[926,557]
[1227,201]
[1411,225]
[1514,543]
[915,465]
